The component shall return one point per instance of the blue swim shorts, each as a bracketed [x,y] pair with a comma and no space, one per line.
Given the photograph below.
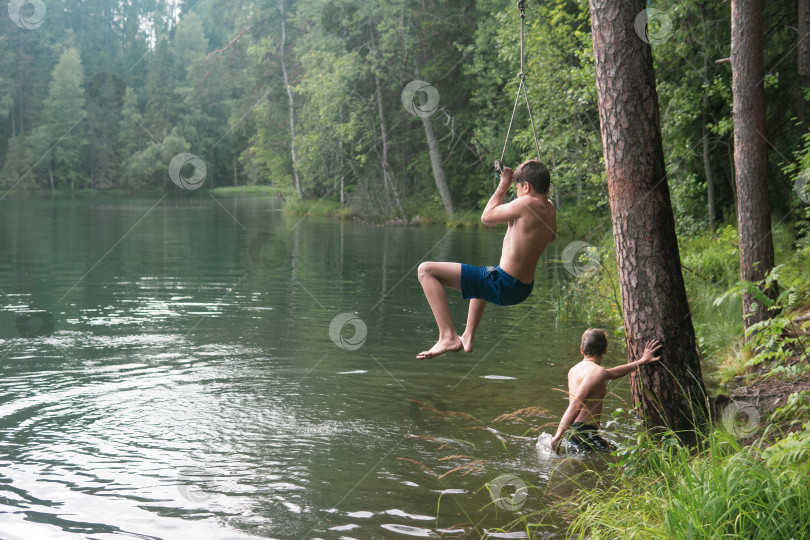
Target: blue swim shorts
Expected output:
[492,284]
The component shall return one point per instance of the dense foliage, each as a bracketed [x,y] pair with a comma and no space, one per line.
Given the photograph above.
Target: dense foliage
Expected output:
[102,94]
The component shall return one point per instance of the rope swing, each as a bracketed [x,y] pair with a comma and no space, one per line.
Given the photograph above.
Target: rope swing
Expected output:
[521,86]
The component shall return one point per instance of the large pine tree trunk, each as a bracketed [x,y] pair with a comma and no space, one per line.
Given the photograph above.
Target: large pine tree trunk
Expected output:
[290,99]
[654,299]
[751,152]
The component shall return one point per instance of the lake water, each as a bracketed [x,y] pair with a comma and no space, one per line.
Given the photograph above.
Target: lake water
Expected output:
[220,370]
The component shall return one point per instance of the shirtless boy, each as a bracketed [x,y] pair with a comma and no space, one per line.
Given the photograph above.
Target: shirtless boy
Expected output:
[532,226]
[587,386]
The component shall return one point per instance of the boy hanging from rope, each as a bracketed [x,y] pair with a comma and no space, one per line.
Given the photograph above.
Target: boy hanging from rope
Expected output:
[532,226]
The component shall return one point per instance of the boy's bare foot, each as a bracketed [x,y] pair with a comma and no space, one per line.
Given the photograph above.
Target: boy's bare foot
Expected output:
[467,342]
[441,347]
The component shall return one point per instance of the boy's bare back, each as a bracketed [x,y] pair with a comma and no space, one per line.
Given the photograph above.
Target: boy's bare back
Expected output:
[596,377]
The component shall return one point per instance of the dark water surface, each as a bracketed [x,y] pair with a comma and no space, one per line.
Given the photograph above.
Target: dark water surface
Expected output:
[192,388]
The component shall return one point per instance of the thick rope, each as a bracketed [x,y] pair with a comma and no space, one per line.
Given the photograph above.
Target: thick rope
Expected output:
[522,25]
[534,132]
[509,130]
[521,86]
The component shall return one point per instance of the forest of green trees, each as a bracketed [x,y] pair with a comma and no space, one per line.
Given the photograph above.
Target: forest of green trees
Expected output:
[99,94]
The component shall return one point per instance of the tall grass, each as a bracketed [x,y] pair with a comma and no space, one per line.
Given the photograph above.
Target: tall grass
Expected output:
[723,491]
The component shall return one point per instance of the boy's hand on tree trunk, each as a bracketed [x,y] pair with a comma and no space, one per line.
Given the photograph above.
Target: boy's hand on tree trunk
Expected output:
[649,353]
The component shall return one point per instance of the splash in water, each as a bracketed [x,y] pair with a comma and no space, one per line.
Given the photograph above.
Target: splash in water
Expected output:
[543,446]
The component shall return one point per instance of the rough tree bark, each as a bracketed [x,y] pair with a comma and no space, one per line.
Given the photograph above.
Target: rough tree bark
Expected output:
[751,152]
[671,392]
[290,98]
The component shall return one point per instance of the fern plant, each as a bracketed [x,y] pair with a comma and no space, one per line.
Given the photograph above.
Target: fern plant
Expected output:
[778,341]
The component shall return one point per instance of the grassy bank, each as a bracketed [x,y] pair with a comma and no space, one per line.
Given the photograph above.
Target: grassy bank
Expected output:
[237,191]
[424,215]
[661,489]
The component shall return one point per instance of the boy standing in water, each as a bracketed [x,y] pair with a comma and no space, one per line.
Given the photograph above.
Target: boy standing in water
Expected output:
[532,226]
[587,386]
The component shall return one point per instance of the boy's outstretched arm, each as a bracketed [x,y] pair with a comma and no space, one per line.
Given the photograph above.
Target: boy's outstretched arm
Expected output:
[646,358]
[574,406]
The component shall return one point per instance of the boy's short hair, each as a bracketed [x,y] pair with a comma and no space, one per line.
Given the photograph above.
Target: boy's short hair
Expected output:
[535,173]
[594,342]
